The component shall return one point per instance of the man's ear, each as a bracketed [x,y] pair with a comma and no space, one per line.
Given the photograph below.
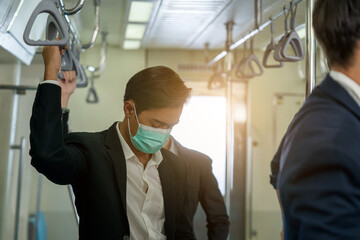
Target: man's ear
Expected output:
[129,108]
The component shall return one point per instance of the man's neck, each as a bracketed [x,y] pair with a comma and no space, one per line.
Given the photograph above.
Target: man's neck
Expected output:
[353,71]
[143,157]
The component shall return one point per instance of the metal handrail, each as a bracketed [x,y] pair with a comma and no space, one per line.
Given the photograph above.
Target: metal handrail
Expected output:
[75,9]
[72,29]
[250,35]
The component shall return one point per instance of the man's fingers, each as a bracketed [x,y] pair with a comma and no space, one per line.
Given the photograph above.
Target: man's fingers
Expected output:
[62,51]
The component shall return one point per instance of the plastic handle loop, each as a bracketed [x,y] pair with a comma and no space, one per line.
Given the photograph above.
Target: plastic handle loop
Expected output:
[67,63]
[290,39]
[216,81]
[92,96]
[269,49]
[293,40]
[55,24]
[81,75]
[71,57]
[246,68]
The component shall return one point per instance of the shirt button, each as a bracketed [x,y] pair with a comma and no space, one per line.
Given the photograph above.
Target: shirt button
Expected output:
[126,237]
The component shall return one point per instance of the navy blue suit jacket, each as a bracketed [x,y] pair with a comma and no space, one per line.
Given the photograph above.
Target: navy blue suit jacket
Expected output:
[319,177]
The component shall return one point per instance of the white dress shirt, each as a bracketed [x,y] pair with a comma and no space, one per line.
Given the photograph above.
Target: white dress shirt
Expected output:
[144,197]
[348,84]
[51,81]
[172,147]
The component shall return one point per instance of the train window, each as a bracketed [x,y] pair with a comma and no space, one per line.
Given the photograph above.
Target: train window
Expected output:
[202,127]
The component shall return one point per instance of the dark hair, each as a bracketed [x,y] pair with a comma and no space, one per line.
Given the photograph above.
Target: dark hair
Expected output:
[156,87]
[337,28]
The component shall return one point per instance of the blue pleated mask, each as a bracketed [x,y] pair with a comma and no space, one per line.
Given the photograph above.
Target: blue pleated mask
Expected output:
[148,139]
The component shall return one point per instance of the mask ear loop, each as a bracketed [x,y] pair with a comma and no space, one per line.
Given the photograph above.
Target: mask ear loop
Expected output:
[136,120]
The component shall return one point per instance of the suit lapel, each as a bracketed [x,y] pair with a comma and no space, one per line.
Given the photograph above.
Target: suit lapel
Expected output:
[116,154]
[336,91]
[166,175]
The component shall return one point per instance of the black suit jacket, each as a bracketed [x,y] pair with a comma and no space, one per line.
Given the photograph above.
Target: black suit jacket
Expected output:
[203,188]
[94,164]
[319,162]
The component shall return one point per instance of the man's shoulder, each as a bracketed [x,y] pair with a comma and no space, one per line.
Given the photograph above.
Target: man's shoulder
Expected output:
[86,137]
[191,157]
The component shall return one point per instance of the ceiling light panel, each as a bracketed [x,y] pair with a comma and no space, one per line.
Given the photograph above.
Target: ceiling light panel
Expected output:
[135,31]
[140,11]
[131,44]
[179,21]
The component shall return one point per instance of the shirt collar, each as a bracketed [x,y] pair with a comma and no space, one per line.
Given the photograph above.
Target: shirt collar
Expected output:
[348,84]
[128,153]
[172,147]
[156,158]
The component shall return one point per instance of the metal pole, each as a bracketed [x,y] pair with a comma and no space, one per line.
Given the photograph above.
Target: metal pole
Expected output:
[20,147]
[258,12]
[37,214]
[8,186]
[310,66]
[229,118]
[72,197]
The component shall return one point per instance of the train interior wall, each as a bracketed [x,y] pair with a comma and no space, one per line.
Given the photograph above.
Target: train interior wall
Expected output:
[264,109]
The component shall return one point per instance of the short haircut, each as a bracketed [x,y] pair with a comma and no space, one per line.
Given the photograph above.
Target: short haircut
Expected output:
[337,28]
[156,87]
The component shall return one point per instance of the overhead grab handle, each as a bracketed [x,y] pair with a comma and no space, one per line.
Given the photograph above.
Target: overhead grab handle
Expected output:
[293,40]
[217,81]
[92,96]
[80,74]
[237,67]
[247,69]
[269,49]
[67,63]
[71,62]
[290,39]
[278,51]
[55,24]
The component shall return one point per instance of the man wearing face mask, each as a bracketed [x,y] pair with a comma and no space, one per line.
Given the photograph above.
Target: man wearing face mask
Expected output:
[125,187]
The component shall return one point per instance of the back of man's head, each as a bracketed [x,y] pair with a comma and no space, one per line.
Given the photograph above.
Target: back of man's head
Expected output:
[337,28]
[156,87]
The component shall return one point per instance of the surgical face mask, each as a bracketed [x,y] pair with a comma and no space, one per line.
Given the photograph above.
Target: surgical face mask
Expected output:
[148,139]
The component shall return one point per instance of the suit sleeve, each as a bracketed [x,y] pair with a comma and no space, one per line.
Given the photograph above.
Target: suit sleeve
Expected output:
[275,165]
[321,194]
[65,122]
[59,162]
[184,228]
[213,204]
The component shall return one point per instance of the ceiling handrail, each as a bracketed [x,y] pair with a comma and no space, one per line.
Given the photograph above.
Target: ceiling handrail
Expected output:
[72,29]
[55,24]
[250,35]
[272,46]
[75,9]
